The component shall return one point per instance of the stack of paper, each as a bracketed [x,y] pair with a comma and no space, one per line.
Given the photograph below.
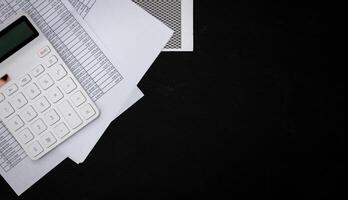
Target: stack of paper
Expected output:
[126,37]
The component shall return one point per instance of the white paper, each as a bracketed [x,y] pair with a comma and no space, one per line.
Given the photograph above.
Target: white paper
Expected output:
[136,39]
[108,98]
[177,14]
[17,168]
[19,171]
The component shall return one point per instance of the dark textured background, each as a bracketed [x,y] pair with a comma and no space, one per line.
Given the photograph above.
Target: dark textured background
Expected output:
[258,109]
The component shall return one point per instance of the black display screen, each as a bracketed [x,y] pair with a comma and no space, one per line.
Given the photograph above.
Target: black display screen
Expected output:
[16,36]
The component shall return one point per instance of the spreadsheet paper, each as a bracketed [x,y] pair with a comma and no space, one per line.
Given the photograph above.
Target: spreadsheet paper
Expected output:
[145,37]
[93,66]
[176,14]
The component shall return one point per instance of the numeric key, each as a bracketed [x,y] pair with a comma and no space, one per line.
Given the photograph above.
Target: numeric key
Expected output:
[19,101]
[25,136]
[35,149]
[38,127]
[32,91]
[48,140]
[28,114]
[15,123]
[6,110]
[52,117]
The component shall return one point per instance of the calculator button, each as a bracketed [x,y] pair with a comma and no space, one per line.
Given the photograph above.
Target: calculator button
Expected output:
[68,85]
[6,110]
[2,97]
[11,89]
[46,81]
[25,136]
[28,114]
[87,111]
[78,98]
[44,51]
[32,91]
[15,123]
[55,94]
[37,70]
[42,105]
[51,61]
[52,117]
[58,72]
[69,114]
[61,130]
[48,140]
[19,101]
[38,127]
[35,149]
[24,80]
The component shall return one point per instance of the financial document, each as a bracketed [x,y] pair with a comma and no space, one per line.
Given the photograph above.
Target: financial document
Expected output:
[19,171]
[86,60]
[176,14]
[146,37]
[108,84]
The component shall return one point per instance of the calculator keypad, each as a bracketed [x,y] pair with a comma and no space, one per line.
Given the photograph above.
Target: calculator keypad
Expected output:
[32,91]
[15,123]
[24,80]
[28,114]
[25,136]
[44,51]
[51,61]
[11,89]
[19,101]
[48,140]
[6,110]
[58,72]
[2,97]
[38,70]
[45,82]
[45,105]
[52,117]
[55,94]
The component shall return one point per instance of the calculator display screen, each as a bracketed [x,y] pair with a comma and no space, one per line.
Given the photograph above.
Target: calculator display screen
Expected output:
[16,36]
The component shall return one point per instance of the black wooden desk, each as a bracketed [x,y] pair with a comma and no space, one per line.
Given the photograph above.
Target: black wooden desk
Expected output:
[251,111]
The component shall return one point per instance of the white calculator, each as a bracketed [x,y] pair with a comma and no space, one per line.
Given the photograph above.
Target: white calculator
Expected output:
[41,102]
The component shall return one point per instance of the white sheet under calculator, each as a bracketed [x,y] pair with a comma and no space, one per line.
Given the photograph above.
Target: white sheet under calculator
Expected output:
[41,102]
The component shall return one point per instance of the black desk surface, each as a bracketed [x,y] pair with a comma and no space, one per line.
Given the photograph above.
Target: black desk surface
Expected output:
[252,111]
